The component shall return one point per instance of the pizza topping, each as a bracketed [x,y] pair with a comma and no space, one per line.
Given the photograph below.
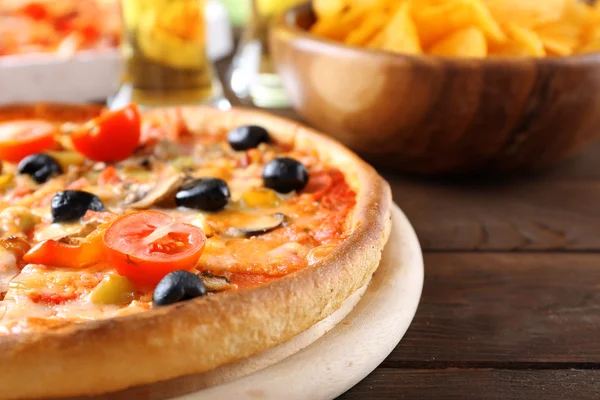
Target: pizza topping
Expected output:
[285,175]
[146,245]
[9,268]
[247,225]
[113,136]
[18,139]
[15,245]
[265,216]
[66,158]
[40,167]
[163,190]
[261,198]
[70,205]
[215,283]
[178,286]
[114,289]
[206,194]
[67,252]
[247,137]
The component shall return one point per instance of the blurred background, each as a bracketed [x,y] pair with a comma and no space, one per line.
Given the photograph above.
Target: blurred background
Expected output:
[426,86]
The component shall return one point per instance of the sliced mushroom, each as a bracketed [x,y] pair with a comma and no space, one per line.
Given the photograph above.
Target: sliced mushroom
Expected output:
[214,283]
[15,245]
[163,190]
[251,224]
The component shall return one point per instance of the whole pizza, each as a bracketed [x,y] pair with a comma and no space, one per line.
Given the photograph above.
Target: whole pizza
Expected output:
[140,247]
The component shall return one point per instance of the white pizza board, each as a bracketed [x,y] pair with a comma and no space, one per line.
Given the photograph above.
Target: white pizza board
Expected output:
[332,356]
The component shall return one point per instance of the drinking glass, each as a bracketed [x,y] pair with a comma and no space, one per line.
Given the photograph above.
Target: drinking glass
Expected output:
[252,76]
[164,49]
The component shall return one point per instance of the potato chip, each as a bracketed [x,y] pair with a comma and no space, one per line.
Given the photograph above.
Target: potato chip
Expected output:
[523,28]
[328,8]
[437,19]
[377,41]
[368,29]
[468,42]
[522,42]
[339,27]
[560,37]
[400,34]
[591,47]
[526,38]
[526,13]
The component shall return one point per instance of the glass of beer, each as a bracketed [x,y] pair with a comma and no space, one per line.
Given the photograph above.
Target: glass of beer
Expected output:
[164,48]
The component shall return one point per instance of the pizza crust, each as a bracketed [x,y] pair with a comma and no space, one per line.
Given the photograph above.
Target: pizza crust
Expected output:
[202,334]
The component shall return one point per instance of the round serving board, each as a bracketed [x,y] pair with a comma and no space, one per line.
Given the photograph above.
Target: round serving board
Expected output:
[333,355]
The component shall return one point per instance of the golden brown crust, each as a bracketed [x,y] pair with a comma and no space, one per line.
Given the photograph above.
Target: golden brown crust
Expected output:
[202,334]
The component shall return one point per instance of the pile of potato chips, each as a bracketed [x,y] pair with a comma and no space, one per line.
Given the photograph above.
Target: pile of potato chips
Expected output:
[463,28]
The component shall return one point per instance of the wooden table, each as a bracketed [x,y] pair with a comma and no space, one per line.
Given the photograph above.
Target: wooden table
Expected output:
[511,302]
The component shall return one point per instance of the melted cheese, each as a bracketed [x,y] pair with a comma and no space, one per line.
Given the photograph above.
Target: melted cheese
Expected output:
[39,297]
[8,269]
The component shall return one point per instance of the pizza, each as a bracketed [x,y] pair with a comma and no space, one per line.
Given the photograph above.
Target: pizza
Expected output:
[59,27]
[139,247]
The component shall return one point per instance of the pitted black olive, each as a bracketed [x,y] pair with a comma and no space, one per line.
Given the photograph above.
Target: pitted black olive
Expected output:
[285,175]
[71,205]
[40,167]
[206,194]
[178,286]
[247,137]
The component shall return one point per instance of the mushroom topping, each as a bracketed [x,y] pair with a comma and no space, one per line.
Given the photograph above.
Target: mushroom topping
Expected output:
[164,189]
[15,245]
[252,224]
[214,283]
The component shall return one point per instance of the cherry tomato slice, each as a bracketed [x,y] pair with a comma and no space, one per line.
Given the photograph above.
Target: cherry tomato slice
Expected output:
[145,246]
[19,139]
[113,136]
[65,254]
[35,11]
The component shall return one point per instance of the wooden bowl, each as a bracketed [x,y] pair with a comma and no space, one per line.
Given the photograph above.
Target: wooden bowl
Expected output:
[431,114]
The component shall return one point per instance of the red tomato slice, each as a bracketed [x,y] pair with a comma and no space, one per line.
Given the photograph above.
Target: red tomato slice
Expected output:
[60,254]
[145,246]
[19,139]
[112,136]
[36,11]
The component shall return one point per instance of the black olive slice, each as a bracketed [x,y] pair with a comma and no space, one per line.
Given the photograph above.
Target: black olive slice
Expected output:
[40,167]
[206,194]
[70,205]
[285,175]
[178,286]
[247,137]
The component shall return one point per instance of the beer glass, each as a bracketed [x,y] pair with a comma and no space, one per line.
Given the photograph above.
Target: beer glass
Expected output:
[164,49]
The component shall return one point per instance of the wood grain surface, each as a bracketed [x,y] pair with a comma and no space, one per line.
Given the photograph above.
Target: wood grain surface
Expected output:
[511,301]
[476,384]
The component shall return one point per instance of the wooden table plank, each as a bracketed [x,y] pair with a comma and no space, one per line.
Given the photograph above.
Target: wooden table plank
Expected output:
[467,384]
[480,310]
[510,215]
